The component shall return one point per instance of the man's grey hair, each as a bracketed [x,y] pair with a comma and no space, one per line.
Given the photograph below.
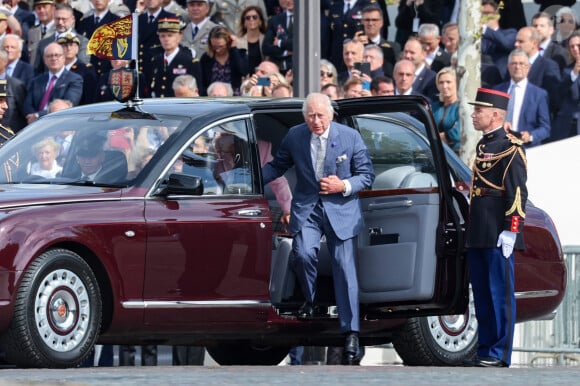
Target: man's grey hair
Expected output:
[186,81]
[230,90]
[517,52]
[18,40]
[321,97]
[374,47]
[428,29]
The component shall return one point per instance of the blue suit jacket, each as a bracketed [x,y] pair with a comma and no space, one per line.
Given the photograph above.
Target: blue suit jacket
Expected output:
[68,86]
[425,83]
[498,44]
[23,71]
[534,114]
[545,73]
[346,157]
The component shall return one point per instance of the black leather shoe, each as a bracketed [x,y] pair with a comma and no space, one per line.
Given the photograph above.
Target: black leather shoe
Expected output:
[485,362]
[352,354]
[306,311]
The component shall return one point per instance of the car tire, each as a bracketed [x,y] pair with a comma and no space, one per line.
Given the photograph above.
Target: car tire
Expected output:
[245,354]
[446,340]
[57,313]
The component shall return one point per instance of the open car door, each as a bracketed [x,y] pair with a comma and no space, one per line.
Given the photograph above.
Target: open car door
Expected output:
[411,259]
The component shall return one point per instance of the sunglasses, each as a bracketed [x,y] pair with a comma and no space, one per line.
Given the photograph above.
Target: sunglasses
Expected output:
[250,17]
[324,73]
[568,21]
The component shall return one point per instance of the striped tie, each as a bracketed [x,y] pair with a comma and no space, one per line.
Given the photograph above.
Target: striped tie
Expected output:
[320,154]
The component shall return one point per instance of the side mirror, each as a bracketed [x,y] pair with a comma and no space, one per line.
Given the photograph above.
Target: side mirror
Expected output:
[183,184]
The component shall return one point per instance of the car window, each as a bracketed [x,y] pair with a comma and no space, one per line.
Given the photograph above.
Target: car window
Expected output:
[401,158]
[221,157]
[95,149]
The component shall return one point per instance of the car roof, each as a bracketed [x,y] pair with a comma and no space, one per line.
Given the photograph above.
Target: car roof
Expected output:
[189,106]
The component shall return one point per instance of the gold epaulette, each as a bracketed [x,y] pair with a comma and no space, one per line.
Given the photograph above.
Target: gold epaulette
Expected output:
[515,140]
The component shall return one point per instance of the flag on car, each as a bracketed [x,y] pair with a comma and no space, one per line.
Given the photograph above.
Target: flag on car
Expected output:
[114,40]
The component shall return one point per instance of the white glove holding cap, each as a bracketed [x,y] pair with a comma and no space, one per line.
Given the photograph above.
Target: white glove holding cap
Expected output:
[506,241]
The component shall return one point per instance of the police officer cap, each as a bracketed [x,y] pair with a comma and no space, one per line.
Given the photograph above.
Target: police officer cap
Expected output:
[38,2]
[91,146]
[491,98]
[3,88]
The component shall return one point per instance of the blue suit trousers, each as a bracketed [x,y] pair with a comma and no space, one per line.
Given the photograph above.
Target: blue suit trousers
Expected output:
[492,281]
[304,262]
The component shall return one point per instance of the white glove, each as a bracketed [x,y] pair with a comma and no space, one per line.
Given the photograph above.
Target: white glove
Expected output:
[506,241]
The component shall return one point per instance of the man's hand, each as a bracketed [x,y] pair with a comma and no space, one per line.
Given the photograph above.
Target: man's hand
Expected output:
[285,219]
[31,118]
[331,184]
[506,241]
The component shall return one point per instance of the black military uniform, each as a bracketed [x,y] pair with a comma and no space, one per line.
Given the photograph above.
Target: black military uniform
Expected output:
[11,165]
[149,44]
[86,71]
[496,221]
[86,27]
[343,26]
[161,73]
[5,132]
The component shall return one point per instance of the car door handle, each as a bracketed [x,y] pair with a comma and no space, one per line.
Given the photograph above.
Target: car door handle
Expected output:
[391,204]
[250,212]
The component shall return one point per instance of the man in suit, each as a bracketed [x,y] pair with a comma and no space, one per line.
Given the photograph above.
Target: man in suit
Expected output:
[352,52]
[496,221]
[195,35]
[64,22]
[528,115]
[372,21]
[172,62]
[148,41]
[496,42]
[14,118]
[278,40]
[88,24]
[435,56]
[56,83]
[403,77]
[44,10]
[544,72]
[17,68]
[542,22]
[333,164]
[424,82]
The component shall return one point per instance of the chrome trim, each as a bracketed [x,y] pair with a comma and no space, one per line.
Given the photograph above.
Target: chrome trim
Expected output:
[133,304]
[536,294]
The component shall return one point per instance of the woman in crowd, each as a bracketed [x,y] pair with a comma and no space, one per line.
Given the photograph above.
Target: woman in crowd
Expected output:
[446,110]
[566,23]
[251,35]
[45,152]
[223,61]
[328,73]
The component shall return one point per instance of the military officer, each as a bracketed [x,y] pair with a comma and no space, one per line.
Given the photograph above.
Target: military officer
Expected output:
[100,15]
[174,61]
[5,132]
[196,34]
[149,44]
[345,17]
[496,220]
[70,42]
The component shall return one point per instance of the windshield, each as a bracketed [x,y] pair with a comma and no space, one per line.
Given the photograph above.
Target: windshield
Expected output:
[92,149]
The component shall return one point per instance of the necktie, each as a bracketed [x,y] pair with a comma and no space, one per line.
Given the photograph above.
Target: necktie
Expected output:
[165,63]
[194,32]
[151,19]
[347,9]
[290,24]
[46,96]
[43,30]
[320,153]
[97,20]
[510,109]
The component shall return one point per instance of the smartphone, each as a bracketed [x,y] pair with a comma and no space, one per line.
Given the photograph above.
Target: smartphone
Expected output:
[265,81]
[365,68]
[366,85]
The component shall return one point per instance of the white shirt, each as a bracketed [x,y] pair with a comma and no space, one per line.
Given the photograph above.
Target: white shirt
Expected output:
[520,90]
[314,152]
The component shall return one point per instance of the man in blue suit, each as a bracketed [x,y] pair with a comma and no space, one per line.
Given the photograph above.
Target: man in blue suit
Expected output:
[496,42]
[332,165]
[528,114]
[42,89]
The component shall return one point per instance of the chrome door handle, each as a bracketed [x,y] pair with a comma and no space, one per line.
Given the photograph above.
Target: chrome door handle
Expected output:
[390,205]
[250,212]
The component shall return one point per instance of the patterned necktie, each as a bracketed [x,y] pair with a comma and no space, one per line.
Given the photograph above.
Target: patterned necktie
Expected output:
[320,154]
[46,96]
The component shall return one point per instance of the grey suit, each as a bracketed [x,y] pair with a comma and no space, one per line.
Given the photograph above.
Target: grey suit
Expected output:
[34,37]
[336,216]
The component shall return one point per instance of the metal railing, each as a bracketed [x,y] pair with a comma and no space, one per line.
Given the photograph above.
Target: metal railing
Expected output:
[557,341]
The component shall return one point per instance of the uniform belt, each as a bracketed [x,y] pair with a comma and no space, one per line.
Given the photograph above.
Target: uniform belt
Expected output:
[481,192]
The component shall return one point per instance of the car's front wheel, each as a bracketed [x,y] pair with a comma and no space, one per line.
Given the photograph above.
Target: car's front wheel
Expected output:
[57,313]
[445,340]
[242,353]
